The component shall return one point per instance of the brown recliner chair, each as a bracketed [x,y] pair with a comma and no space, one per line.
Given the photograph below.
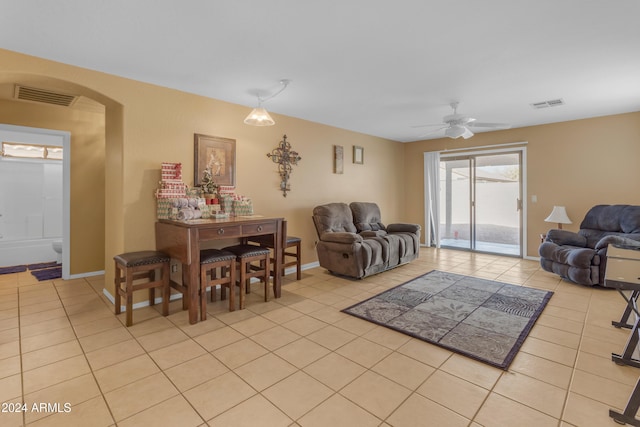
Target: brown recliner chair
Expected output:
[582,257]
[354,242]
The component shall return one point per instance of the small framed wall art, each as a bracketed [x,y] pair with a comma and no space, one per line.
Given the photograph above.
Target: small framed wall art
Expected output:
[216,154]
[358,155]
[338,159]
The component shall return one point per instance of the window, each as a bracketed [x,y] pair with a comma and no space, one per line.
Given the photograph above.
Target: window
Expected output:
[31,151]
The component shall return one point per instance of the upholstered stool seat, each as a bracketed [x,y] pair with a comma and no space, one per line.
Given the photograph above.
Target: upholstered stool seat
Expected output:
[210,261]
[142,265]
[245,256]
[266,241]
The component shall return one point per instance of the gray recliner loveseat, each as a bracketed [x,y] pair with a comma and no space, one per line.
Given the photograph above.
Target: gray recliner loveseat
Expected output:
[354,242]
[581,257]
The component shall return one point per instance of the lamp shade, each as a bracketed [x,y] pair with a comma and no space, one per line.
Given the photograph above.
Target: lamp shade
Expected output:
[259,117]
[559,216]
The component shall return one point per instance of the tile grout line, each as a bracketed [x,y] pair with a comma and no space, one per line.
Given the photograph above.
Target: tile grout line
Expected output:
[84,353]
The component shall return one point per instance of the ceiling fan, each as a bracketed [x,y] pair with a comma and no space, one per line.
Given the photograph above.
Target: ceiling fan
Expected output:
[458,125]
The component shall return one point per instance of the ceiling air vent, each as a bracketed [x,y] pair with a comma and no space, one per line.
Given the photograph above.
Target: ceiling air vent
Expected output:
[546,104]
[46,96]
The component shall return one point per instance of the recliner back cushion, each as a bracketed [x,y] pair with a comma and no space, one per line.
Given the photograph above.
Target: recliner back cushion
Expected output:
[630,219]
[366,216]
[333,217]
[613,218]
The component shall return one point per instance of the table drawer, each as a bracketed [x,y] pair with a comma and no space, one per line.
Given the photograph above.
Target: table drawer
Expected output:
[220,232]
[260,228]
[623,270]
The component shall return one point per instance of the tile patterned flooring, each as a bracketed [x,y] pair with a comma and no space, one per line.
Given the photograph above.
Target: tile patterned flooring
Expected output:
[67,360]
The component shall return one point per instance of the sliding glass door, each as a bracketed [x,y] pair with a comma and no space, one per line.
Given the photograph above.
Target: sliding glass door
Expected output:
[481,202]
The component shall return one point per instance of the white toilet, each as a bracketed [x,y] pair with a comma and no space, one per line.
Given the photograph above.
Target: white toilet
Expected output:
[57,246]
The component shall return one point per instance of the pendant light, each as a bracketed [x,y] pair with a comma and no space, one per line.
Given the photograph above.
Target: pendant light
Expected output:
[259,116]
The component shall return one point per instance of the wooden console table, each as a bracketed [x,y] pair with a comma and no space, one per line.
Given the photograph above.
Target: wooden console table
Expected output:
[182,241]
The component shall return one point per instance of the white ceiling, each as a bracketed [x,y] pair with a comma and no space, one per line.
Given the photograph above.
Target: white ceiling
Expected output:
[373,66]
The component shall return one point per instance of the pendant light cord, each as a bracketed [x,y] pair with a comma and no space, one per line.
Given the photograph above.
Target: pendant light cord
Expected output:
[284,84]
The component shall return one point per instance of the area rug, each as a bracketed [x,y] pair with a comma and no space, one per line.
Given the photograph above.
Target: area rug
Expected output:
[482,319]
[41,265]
[13,269]
[48,273]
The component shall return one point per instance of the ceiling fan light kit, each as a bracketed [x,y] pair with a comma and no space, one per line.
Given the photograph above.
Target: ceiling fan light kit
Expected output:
[457,131]
[457,125]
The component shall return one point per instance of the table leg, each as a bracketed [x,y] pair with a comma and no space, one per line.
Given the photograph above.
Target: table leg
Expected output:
[192,288]
[194,276]
[632,342]
[624,320]
[630,411]
[278,246]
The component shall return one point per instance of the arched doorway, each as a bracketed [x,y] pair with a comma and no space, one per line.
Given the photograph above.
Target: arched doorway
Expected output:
[91,121]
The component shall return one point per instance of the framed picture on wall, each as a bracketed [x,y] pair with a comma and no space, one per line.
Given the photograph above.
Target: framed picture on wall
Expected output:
[358,155]
[218,155]
[338,159]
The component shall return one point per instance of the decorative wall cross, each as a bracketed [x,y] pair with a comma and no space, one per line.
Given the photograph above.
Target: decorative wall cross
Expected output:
[285,157]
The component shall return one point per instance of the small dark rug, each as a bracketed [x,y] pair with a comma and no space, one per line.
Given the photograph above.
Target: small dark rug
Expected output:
[13,269]
[48,273]
[42,265]
[479,318]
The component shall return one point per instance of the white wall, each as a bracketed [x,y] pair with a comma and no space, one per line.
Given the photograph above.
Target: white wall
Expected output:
[31,200]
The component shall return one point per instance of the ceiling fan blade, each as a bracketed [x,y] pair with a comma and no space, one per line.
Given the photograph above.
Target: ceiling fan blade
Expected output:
[467,133]
[433,131]
[489,125]
[424,126]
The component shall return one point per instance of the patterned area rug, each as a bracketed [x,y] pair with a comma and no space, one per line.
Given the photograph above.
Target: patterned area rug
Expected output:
[479,318]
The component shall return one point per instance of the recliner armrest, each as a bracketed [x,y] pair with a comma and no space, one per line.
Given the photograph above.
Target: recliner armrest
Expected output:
[403,228]
[340,237]
[565,237]
[616,240]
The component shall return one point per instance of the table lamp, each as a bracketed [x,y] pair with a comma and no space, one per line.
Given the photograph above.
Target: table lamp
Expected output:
[559,216]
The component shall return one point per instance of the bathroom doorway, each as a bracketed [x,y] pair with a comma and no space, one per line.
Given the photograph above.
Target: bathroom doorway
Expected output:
[34,205]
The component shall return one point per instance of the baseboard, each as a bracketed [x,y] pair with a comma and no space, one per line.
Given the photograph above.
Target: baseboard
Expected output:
[89,274]
[303,267]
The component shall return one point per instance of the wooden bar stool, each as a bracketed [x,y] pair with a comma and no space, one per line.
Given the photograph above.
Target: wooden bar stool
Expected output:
[266,241]
[210,261]
[133,266]
[245,256]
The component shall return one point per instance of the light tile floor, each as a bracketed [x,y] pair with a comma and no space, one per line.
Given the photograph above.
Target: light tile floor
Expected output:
[67,360]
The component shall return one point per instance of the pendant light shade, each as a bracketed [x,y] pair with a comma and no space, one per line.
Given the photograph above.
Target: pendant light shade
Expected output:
[259,117]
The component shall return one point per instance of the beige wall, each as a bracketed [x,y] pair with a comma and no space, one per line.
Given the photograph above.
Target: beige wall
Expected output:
[577,164]
[146,125]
